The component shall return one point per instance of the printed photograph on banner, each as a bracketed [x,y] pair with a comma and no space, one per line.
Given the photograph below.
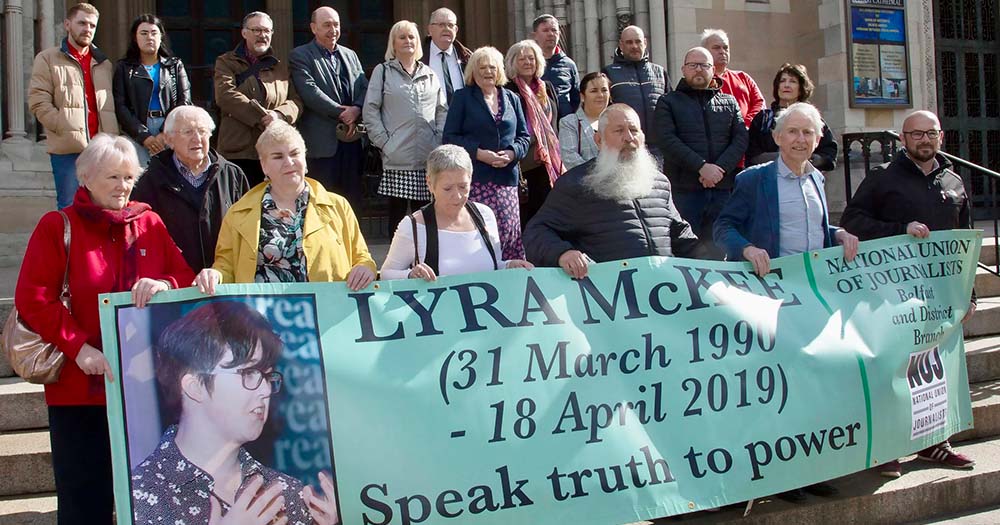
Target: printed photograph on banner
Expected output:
[224,403]
[928,392]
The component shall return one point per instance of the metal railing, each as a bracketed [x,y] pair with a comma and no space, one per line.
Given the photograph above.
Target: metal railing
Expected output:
[887,141]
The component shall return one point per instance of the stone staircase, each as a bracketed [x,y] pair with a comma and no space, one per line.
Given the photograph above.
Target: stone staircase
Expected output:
[925,493]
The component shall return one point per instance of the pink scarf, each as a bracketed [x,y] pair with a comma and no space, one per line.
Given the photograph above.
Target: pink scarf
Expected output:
[547,151]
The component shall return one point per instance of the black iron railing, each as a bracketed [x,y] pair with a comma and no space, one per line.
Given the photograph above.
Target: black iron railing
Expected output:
[887,141]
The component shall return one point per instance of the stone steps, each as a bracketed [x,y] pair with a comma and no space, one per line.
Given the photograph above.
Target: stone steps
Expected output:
[25,463]
[982,357]
[986,320]
[37,509]
[22,405]
[925,491]
[975,517]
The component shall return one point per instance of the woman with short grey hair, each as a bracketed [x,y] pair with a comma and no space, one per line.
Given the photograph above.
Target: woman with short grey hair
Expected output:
[114,245]
[404,111]
[451,235]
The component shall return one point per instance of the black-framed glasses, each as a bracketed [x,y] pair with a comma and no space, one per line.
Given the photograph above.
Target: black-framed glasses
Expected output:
[253,377]
[698,66]
[919,134]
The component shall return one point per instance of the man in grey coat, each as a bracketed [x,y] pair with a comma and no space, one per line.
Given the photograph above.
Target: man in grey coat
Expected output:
[616,206]
[332,85]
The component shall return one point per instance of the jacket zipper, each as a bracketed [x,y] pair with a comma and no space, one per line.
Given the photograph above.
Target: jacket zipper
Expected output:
[708,131]
[645,229]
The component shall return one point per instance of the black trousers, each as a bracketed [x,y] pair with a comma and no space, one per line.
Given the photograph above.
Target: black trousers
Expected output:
[251,168]
[341,173]
[538,189]
[81,462]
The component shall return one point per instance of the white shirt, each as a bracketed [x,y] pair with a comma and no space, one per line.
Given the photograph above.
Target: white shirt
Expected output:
[457,79]
[458,252]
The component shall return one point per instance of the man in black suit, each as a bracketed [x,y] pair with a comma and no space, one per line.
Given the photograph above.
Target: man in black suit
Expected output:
[443,51]
[332,84]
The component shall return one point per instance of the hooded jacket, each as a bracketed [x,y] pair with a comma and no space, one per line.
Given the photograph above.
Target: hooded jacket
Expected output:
[57,97]
[697,126]
[638,83]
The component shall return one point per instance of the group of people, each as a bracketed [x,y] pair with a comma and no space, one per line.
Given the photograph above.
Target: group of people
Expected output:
[476,147]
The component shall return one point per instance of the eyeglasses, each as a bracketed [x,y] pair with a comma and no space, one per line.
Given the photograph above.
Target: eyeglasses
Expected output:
[446,25]
[253,377]
[698,66]
[919,134]
[190,132]
[260,30]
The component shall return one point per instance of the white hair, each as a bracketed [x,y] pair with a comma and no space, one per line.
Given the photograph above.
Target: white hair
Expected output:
[255,14]
[106,153]
[510,63]
[802,108]
[444,11]
[710,32]
[195,113]
[602,121]
[447,157]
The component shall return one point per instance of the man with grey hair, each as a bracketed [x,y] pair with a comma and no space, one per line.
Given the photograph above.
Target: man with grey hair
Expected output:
[329,78]
[779,208]
[616,206]
[559,68]
[252,89]
[444,53]
[190,185]
[635,79]
[701,134]
[739,84]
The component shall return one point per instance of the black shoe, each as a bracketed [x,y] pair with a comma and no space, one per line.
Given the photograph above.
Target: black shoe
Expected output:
[793,496]
[822,489]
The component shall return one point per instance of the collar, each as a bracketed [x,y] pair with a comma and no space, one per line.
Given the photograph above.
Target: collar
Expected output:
[187,472]
[449,51]
[786,172]
[937,163]
[95,52]
[184,170]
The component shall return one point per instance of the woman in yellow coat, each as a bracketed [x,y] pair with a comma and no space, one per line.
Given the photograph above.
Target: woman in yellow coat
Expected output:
[288,228]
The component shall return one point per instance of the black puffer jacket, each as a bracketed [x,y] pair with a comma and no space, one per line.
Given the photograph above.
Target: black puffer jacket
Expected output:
[192,217]
[638,83]
[573,218]
[133,88]
[895,195]
[696,126]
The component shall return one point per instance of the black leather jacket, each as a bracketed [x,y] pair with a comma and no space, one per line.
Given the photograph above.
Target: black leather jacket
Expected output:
[133,87]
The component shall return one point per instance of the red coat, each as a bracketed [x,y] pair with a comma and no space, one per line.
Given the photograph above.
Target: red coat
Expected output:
[97,252]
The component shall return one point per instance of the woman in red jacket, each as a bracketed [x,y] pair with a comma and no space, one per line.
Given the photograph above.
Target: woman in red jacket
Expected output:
[115,246]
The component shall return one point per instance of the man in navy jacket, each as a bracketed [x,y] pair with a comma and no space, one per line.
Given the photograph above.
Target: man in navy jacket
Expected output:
[559,68]
[332,85]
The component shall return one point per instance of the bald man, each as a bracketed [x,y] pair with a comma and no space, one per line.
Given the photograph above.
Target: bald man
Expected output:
[915,194]
[700,132]
[332,84]
[635,79]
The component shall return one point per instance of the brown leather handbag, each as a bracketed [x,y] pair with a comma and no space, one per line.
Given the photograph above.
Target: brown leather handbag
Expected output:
[31,357]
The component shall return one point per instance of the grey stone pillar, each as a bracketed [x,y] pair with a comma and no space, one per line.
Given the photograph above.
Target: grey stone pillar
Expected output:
[13,71]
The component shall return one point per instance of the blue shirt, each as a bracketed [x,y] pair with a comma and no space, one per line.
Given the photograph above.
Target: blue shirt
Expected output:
[154,98]
[800,212]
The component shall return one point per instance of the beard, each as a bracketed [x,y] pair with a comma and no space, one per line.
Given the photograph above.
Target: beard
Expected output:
[622,177]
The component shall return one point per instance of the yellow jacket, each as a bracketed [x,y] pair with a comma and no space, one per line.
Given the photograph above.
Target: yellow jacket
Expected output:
[331,239]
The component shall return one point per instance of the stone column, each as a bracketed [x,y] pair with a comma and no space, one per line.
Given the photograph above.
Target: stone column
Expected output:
[609,31]
[642,17]
[13,70]
[579,37]
[658,35]
[591,21]
[281,14]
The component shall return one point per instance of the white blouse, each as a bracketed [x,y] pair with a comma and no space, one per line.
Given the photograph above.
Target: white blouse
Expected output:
[458,252]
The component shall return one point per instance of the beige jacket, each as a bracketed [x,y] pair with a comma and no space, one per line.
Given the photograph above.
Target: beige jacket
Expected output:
[57,98]
[244,101]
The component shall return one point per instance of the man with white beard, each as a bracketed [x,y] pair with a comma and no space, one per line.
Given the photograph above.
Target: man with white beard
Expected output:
[616,206]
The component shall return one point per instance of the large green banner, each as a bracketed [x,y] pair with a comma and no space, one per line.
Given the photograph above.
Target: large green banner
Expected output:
[653,387]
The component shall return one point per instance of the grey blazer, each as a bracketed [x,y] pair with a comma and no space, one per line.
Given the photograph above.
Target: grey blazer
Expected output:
[322,101]
[576,140]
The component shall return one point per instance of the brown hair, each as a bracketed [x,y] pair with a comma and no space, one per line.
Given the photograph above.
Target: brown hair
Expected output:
[82,6]
[799,72]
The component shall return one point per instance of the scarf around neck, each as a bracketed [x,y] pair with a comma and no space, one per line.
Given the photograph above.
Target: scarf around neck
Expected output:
[125,218]
[547,151]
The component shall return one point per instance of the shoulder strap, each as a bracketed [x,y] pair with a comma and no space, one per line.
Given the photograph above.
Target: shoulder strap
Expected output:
[579,136]
[430,226]
[416,248]
[477,219]
[65,295]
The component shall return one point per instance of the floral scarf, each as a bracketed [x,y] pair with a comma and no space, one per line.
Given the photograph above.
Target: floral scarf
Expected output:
[547,151]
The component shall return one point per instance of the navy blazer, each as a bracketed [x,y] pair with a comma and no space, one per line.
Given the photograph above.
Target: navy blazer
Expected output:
[471,125]
[322,101]
[750,216]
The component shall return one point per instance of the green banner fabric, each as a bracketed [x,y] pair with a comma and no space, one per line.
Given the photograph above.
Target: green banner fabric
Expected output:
[654,387]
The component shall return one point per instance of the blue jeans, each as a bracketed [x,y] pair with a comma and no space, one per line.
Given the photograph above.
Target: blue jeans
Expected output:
[700,209]
[155,126]
[64,173]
